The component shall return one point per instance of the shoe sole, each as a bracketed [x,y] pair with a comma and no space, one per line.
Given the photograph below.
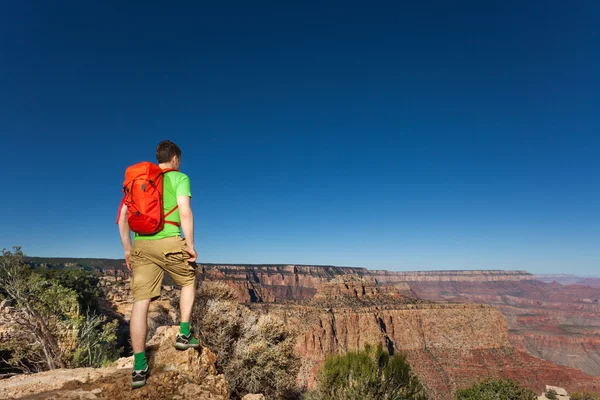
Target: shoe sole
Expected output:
[138,385]
[181,346]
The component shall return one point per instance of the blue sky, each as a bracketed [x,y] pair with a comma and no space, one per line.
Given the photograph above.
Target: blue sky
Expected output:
[437,135]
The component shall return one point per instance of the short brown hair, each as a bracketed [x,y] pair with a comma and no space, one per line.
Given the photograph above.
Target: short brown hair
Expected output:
[166,150]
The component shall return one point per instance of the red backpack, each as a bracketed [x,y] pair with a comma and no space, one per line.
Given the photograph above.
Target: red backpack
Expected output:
[143,188]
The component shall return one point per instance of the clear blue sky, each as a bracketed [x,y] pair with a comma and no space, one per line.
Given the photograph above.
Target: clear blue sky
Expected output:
[443,135]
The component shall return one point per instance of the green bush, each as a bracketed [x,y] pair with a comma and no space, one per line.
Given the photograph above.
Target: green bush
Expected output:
[371,374]
[96,342]
[491,389]
[84,283]
[47,329]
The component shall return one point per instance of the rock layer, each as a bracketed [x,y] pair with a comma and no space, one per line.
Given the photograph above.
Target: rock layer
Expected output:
[449,346]
[530,306]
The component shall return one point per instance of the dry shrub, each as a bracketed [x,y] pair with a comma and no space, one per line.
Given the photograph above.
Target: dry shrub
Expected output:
[264,360]
[221,328]
[216,291]
[256,354]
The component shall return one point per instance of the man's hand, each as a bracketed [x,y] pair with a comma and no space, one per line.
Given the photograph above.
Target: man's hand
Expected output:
[127,255]
[192,252]
[187,225]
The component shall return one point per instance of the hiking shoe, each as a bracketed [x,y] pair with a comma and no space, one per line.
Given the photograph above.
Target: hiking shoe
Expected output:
[183,342]
[138,378]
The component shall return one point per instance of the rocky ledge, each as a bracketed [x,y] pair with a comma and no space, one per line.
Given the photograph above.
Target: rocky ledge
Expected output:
[174,374]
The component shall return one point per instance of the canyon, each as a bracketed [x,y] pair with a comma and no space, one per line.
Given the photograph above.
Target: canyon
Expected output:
[555,322]
[449,346]
[454,327]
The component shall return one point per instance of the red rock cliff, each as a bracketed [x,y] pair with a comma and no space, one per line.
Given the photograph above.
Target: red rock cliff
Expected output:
[449,346]
[530,306]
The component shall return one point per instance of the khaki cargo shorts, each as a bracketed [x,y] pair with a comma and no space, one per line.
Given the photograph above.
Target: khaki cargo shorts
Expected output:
[149,261]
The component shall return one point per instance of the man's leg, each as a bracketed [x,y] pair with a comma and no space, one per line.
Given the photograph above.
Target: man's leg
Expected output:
[186,301]
[146,277]
[184,274]
[185,340]
[138,326]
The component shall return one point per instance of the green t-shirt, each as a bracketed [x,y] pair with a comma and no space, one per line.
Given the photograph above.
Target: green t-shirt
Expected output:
[175,184]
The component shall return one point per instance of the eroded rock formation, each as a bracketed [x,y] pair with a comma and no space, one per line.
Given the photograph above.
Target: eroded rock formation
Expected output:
[449,346]
[539,314]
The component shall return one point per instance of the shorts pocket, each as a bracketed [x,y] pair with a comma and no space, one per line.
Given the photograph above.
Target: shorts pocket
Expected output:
[177,255]
[135,257]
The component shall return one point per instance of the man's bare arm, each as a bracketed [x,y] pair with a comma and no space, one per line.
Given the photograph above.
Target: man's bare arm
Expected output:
[125,234]
[187,224]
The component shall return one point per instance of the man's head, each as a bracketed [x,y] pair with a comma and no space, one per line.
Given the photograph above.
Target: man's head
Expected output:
[168,152]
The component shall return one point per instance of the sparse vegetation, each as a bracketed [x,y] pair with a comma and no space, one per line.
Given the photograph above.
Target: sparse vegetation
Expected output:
[492,389]
[584,396]
[47,328]
[551,394]
[84,283]
[96,342]
[371,374]
[254,352]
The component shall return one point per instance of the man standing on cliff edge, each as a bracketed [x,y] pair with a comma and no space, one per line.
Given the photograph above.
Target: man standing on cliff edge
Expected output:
[151,255]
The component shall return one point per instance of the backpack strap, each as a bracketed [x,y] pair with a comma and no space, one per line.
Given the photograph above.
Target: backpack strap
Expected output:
[169,213]
[174,208]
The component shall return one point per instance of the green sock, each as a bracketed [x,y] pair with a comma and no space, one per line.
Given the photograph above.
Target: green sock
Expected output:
[184,328]
[139,361]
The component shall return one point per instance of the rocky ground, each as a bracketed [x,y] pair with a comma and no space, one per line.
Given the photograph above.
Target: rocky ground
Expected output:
[174,374]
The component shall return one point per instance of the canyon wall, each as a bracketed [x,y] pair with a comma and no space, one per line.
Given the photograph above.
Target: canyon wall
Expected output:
[542,313]
[273,283]
[558,323]
[449,346]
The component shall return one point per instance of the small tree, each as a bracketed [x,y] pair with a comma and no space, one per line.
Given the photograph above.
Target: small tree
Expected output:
[84,283]
[96,342]
[371,374]
[44,312]
[491,389]
[551,394]
[47,330]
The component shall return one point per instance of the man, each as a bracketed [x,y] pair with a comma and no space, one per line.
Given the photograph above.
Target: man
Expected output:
[166,250]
